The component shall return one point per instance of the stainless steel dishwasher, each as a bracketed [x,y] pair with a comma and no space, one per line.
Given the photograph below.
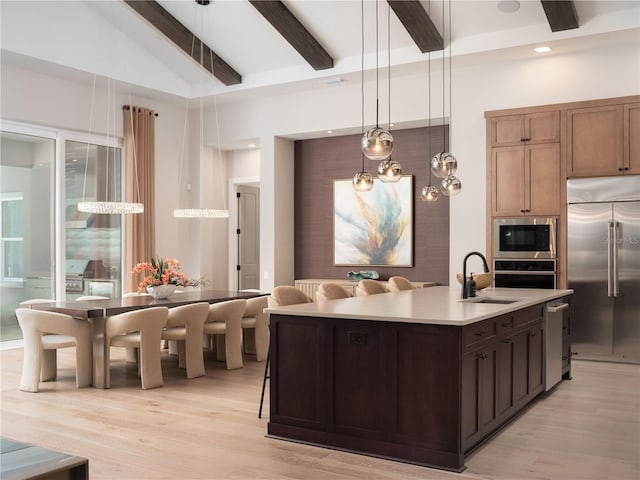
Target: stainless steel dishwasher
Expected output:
[553,342]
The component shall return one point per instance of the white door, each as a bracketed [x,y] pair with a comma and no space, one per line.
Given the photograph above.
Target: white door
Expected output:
[248,238]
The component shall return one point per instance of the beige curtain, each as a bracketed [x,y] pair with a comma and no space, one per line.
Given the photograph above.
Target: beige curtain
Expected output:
[139,144]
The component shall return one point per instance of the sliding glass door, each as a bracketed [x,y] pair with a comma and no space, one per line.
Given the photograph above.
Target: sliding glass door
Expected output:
[27,164]
[46,244]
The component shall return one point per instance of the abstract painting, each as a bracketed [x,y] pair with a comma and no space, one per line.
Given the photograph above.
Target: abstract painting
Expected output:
[376,227]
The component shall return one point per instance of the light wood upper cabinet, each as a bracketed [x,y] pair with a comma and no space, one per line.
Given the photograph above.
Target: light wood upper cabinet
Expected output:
[525,180]
[531,128]
[632,138]
[596,141]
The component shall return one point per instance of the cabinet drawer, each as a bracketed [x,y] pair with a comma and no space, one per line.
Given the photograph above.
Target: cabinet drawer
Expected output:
[478,333]
[529,315]
[505,325]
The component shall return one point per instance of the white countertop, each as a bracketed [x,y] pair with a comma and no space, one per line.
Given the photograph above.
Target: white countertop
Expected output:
[433,305]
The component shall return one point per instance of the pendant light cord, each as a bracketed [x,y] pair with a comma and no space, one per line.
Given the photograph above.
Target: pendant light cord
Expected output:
[450,89]
[444,93]
[429,107]
[362,68]
[377,76]
[389,58]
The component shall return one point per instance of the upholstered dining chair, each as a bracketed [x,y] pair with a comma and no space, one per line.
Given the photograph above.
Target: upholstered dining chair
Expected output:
[331,291]
[225,322]
[397,283]
[184,326]
[142,330]
[45,332]
[368,286]
[255,328]
[281,295]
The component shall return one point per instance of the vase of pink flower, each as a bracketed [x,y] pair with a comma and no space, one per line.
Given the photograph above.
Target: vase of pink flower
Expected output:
[162,276]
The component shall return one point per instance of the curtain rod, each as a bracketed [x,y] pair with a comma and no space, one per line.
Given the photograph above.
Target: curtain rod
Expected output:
[128,107]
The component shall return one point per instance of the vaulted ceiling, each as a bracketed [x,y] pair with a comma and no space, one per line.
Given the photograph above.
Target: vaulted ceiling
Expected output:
[262,47]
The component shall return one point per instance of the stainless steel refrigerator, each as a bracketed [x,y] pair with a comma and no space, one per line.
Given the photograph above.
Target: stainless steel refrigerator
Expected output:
[604,267]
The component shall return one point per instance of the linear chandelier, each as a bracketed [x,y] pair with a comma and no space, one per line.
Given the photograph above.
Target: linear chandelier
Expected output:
[107,207]
[200,212]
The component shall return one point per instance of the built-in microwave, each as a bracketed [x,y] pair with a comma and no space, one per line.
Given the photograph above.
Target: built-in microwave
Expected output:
[524,237]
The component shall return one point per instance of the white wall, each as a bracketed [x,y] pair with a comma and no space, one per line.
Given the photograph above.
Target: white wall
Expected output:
[606,72]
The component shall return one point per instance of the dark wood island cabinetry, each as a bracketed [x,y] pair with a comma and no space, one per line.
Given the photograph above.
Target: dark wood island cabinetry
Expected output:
[417,392]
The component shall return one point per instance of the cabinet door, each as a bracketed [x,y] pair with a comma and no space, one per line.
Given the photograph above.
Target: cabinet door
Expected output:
[543,127]
[542,179]
[531,128]
[471,431]
[595,141]
[506,394]
[535,360]
[507,189]
[632,138]
[507,130]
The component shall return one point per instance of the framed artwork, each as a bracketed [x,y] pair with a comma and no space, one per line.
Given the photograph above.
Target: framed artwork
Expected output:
[373,228]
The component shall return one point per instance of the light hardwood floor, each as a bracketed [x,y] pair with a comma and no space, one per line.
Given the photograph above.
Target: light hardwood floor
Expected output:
[207,428]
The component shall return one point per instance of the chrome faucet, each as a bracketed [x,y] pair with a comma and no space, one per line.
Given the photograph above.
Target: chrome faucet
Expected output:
[465,282]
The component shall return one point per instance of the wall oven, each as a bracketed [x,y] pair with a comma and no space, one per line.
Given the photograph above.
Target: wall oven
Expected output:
[524,237]
[524,273]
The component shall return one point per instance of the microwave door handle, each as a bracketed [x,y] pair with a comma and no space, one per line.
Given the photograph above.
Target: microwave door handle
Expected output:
[614,254]
[609,259]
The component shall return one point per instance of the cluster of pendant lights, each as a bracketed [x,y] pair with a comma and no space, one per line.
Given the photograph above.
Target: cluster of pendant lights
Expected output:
[377,143]
[443,164]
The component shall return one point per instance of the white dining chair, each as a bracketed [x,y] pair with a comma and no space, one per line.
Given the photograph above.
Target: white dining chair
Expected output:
[45,332]
[255,328]
[142,330]
[185,327]
[224,322]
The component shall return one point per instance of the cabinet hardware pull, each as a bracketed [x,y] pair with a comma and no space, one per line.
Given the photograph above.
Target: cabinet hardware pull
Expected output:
[482,356]
[532,334]
[479,334]
[508,324]
[620,169]
[507,340]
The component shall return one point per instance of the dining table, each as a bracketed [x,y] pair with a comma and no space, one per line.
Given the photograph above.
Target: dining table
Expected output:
[97,311]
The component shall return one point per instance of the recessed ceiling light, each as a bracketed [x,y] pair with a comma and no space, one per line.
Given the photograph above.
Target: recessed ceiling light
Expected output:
[542,49]
[508,6]
[252,145]
[329,131]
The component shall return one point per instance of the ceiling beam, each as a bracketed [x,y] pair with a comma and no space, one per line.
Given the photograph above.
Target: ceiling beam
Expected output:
[183,38]
[287,25]
[417,22]
[561,14]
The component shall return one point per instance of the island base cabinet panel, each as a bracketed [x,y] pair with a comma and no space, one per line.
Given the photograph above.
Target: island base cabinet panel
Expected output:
[389,390]
[358,400]
[424,386]
[297,354]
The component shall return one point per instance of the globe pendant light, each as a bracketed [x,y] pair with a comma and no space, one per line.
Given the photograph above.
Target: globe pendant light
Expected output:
[201,212]
[362,181]
[444,165]
[389,171]
[377,144]
[430,192]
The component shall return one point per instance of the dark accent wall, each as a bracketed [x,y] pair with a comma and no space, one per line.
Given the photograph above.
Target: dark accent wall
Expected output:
[319,161]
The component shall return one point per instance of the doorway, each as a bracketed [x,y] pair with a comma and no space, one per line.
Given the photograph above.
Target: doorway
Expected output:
[247,237]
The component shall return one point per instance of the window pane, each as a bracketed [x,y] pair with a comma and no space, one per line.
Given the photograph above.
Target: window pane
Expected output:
[27,253]
[12,218]
[93,242]
[13,255]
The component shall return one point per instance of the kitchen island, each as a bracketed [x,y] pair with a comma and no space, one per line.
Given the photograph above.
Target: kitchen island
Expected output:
[419,376]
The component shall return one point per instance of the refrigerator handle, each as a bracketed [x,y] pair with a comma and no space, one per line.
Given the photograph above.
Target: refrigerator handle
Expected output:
[614,254]
[609,259]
